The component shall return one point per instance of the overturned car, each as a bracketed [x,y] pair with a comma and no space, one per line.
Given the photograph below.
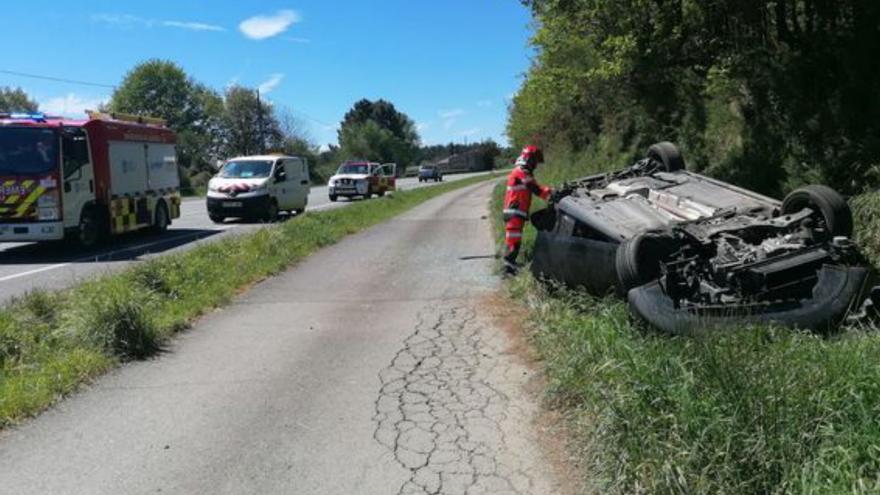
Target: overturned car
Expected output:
[691,252]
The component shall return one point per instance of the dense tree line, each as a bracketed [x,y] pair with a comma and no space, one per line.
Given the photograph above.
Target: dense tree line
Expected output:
[769,94]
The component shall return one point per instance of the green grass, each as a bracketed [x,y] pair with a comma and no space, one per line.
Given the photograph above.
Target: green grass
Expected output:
[52,342]
[753,410]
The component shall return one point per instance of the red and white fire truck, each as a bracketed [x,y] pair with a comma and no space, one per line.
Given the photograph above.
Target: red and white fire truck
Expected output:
[85,180]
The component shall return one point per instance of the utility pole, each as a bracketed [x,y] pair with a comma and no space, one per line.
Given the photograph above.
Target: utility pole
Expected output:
[260,123]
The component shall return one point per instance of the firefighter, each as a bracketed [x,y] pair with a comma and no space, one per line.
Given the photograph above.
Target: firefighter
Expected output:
[521,185]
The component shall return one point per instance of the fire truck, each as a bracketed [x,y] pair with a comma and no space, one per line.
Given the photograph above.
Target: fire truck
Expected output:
[85,180]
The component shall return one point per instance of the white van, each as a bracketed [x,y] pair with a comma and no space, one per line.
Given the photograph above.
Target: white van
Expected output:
[259,187]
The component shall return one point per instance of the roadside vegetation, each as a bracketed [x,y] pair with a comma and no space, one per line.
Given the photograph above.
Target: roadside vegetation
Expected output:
[52,342]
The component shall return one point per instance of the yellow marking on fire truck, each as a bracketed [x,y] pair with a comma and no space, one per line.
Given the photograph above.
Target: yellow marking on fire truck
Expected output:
[26,204]
[124,215]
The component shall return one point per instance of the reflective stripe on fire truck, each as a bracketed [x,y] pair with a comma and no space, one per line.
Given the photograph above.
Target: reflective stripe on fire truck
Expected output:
[14,207]
[123,214]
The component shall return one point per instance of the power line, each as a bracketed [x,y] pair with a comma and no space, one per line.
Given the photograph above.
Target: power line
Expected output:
[56,79]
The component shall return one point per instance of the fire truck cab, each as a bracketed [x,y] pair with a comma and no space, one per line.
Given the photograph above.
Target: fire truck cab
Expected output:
[85,180]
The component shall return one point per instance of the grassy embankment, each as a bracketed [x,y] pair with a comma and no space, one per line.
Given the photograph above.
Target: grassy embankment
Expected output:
[746,411]
[51,342]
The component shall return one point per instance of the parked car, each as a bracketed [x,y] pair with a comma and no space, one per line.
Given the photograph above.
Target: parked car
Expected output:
[364,179]
[689,251]
[259,187]
[430,172]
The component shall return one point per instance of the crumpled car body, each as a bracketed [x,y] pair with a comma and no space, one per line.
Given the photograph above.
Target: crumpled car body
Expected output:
[691,252]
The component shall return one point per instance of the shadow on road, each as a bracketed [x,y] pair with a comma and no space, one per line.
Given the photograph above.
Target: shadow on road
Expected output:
[125,248]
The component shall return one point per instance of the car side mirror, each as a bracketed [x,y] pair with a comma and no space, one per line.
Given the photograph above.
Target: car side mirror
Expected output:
[280,176]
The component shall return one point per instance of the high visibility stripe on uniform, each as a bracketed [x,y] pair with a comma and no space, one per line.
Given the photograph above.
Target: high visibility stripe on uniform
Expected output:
[513,235]
[517,188]
[515,212]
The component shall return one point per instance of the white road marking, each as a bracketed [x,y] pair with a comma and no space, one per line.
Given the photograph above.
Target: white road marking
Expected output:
[32,272]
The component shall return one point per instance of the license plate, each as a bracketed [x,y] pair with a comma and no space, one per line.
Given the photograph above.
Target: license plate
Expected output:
[232,204]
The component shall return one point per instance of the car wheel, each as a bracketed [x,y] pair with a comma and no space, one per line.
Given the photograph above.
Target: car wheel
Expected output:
[638,259]
[381,193]
[367,196]
[836,216]
[333,197]
[161,222]
[667,154]
[216,218]
[271,212]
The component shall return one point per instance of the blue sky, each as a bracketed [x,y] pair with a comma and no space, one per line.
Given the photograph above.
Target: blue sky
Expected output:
[451,65]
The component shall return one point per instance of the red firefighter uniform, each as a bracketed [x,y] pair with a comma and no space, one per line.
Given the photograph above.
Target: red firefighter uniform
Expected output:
[521,185]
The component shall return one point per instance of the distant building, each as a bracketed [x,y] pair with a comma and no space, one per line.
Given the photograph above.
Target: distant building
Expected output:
[469,161]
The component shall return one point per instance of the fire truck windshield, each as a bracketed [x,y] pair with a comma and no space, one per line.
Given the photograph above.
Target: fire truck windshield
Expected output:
[27,151]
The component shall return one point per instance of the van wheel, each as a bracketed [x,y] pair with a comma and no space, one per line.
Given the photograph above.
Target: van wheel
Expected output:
[161,221]
[271,212]
[299,211]
[89,230]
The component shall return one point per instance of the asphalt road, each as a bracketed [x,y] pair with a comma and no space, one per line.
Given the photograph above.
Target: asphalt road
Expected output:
[371,368]
[29,266]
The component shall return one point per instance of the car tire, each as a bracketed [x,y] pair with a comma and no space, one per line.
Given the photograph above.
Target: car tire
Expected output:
[667,154]
[271,214]
[638,259]
[161,221]
[333,198]
[835,212]
[381,193]
[216,218]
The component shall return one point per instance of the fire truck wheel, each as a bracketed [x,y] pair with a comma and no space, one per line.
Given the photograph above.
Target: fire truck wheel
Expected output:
[89,230]
[161,221]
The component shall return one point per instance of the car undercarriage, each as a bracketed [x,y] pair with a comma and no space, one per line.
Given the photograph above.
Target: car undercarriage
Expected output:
[690,252]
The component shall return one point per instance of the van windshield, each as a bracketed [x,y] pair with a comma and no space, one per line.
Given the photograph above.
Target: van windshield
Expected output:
[27,151]
[246,169]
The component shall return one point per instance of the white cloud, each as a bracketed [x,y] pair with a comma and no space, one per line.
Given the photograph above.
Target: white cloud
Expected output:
[450,114]
[128,21]
[192,26]
[485,103]
[271,83]
[421,126]
[293,39]
[71,105]
[266,26]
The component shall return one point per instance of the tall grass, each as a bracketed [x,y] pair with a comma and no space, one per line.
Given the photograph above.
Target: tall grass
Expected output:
[757,409]
[50,342]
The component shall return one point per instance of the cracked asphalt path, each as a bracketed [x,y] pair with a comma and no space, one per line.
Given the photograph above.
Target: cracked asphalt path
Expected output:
[371,368]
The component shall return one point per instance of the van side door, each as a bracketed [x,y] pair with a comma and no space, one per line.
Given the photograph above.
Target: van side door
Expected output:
[299,182]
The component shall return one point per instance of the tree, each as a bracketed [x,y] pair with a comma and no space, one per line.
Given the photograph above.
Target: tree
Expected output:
[16,100]
[250,126]
[375,130]
[162,89]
